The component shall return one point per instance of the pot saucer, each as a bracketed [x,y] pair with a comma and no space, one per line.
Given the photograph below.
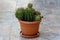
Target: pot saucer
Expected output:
[25,36]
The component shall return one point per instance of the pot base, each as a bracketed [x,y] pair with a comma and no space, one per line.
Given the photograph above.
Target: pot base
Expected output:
[25,36]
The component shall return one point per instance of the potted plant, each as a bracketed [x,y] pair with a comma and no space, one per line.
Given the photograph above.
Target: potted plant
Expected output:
[29,20]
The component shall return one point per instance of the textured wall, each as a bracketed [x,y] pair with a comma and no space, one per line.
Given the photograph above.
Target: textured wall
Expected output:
[45,6]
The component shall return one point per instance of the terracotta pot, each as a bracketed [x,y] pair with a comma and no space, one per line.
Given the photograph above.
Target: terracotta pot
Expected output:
[29,28]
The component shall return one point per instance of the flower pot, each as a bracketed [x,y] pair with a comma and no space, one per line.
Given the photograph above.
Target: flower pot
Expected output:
[29,28]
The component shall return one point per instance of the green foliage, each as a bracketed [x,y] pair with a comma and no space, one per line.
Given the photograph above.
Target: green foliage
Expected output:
[28,14]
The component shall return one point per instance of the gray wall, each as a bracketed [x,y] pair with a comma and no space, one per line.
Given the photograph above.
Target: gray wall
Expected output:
[45,6]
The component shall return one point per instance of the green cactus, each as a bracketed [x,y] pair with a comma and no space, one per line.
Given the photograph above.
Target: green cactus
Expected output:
[19,13]
[28,14]
[38,13]
[37,17]
[30,5]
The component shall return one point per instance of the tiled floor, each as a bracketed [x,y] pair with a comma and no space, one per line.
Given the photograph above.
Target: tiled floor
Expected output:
[9,25]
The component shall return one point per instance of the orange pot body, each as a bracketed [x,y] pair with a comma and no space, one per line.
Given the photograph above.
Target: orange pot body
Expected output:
[29,28]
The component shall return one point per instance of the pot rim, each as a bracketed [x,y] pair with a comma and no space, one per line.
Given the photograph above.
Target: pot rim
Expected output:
[33,22]
[26,22]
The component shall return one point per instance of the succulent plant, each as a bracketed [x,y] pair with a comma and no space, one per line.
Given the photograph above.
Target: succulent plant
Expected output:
[37,17]
[19,13]
[30,5]
[28,14]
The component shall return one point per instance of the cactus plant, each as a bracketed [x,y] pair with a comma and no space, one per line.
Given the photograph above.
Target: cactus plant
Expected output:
[30,5]
[37,17]
[28,14]
[19,13]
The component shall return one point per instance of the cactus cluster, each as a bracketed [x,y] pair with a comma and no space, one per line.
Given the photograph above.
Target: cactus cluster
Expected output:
[28,14]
